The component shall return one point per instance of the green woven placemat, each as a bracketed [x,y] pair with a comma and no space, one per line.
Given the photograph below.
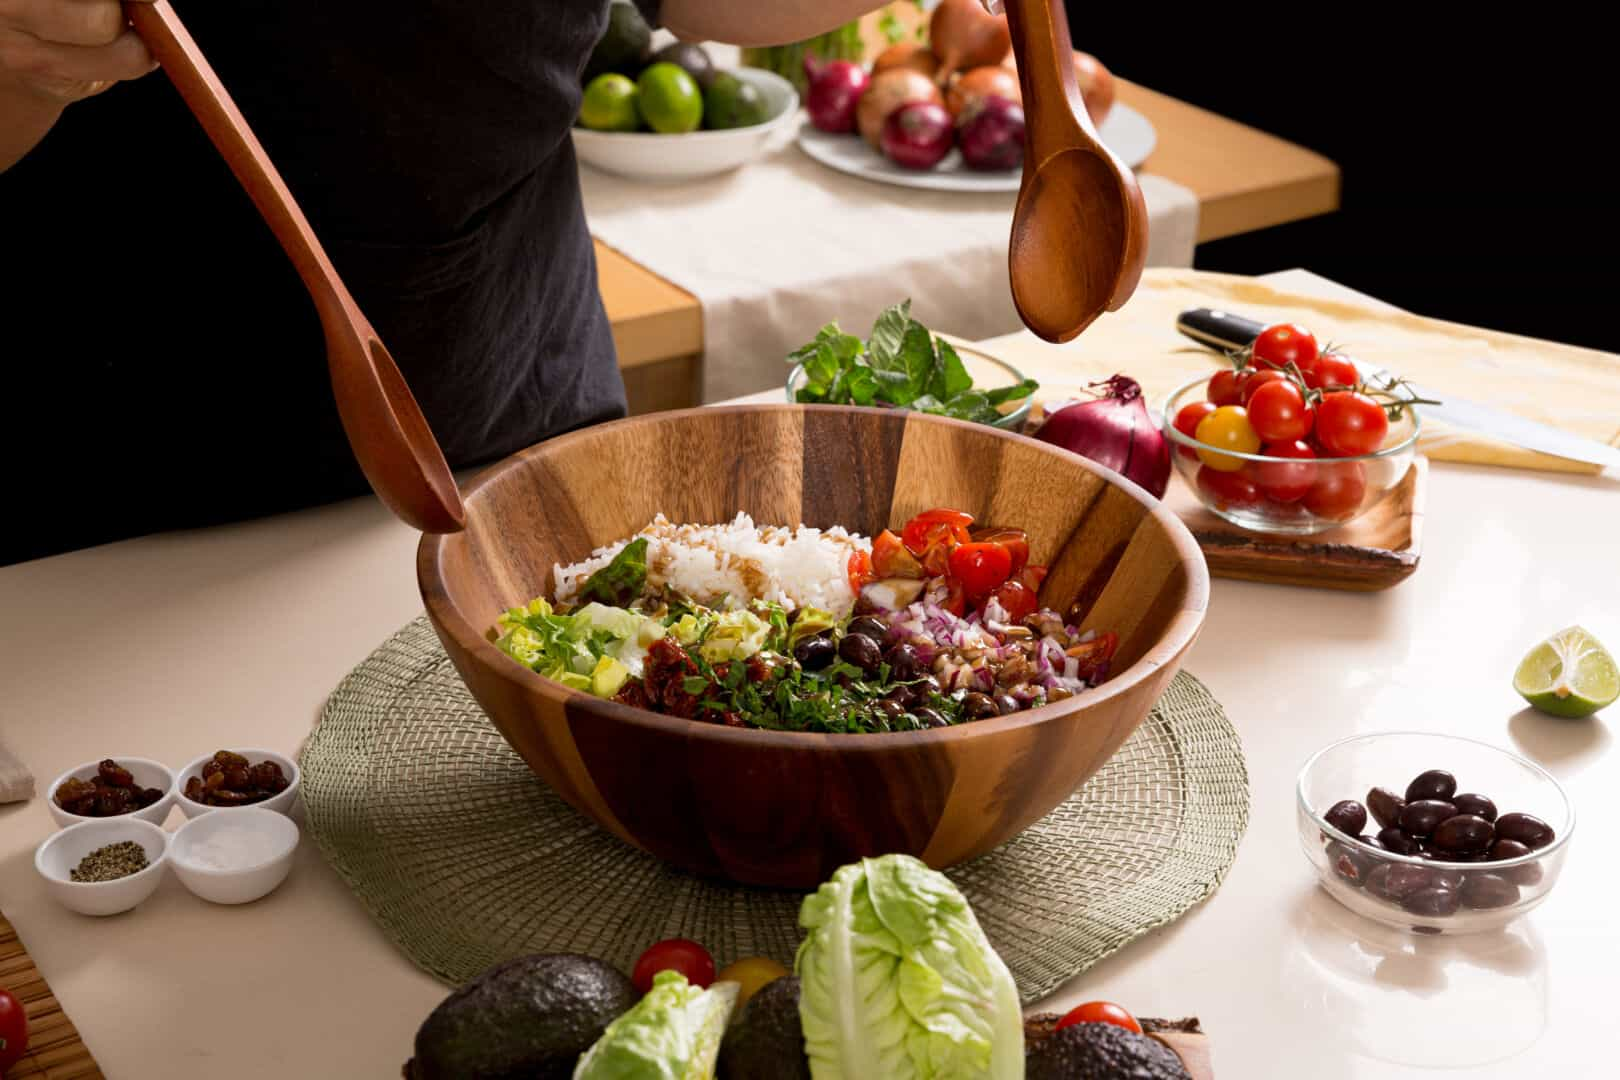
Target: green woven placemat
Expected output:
[465,858]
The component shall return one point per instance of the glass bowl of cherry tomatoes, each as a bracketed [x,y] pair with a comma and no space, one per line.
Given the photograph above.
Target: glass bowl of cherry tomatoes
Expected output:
[1291,441]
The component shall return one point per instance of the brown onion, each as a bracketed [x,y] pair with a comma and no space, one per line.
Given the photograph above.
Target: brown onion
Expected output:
[964,35]
[1096,83]
[979,83]
[889,91]
[907,54]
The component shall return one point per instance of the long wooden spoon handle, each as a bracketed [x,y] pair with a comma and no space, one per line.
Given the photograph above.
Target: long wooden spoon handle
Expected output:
[169,41]
[1045,57]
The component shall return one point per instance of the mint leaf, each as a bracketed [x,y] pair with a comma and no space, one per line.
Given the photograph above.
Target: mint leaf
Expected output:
[969,405]
[951,377]
[887,334]
[862,385]
[1012,393]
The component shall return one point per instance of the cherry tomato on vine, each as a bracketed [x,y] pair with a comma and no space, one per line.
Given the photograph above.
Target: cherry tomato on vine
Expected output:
[932,526]
[981,568]
[1186,422]
[13,1030]
[1338,490]
[1099,1012]
[1016,541]
[674,954]
[1284,482]
[890,559]
[1281,344]
[859,570]
[1256,381]
[1228,428]
[1278,412]
[1349,424]
[1226,387]
[1017,600]
[1335,370]
[1228,490]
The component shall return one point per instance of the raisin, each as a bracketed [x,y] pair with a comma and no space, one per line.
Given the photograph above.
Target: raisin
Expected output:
[238,777]
[265,774]
[74,790]
[210,767]
[115,774]
[227,759]
[194,789]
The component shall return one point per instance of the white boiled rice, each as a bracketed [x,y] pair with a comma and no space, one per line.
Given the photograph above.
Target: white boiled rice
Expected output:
[801,567]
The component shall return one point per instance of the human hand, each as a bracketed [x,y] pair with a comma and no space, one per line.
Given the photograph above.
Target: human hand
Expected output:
[65,50]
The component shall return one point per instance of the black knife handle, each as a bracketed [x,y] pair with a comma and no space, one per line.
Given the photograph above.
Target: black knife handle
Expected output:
[1218,329]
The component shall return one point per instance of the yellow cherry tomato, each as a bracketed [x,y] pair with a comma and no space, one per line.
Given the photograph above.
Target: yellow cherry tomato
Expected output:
[753,973]
[1227,427]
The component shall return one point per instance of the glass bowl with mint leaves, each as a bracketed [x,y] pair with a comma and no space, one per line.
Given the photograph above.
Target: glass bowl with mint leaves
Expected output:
[902,365]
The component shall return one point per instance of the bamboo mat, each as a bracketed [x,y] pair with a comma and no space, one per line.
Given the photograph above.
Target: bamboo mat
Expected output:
[55,1051]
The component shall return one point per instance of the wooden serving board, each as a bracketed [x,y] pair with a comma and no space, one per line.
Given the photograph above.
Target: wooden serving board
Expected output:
[1377,550]
[55,1051]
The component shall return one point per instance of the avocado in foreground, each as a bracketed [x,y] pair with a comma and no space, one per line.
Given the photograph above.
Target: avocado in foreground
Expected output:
[531,1018]
[1102,1052]
[673,1033]
[767,1041]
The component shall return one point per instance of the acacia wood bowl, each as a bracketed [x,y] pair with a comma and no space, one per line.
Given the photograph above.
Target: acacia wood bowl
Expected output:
[787,808]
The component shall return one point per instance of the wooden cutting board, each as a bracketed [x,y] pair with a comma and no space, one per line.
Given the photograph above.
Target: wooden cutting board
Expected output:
[55,1051]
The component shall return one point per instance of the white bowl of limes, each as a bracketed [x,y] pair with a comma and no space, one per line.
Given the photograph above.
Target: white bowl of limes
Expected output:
[689,146]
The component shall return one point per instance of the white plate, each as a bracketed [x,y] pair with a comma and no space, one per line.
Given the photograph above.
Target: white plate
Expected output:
[1126,132]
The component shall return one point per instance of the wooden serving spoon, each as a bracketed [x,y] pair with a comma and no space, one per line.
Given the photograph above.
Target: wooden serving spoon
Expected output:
[390,437]
[1079,235]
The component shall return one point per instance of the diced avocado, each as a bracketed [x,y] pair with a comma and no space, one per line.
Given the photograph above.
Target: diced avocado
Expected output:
[811,622]
[609,677]
[736,634]
[687,629]
[570,679]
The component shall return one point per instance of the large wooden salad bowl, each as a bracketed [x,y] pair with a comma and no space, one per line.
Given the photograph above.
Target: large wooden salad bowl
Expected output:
[782,808]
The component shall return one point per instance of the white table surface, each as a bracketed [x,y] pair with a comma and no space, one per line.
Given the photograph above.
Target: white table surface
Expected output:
[178,644]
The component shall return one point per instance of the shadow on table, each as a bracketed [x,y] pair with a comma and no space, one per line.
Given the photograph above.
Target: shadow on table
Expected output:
[1386,994]
[1562,747]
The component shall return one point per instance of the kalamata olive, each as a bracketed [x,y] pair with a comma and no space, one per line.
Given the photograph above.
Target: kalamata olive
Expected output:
[1527,829]
[814,653]
[1431,901]
[903,695]
[1508,849]
[1386,806]
[977,706]
[929,684]
[1434,784]
[1393,839]
[890,710]
[1349,817]
[1350,864]
[862,651]
[1443,877]
[930,717]
[1478,805]
[1463,833]
[869,626]
[1485,891]
[903,663]
[1462,856]
[1007,704]
[1396,881]
[1528,874]
[1420,818]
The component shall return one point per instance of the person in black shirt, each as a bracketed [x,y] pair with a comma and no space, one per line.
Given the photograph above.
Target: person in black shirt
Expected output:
[162,365]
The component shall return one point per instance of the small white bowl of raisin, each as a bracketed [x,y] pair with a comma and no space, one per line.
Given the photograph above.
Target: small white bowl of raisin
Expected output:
[113,787]
[231,779]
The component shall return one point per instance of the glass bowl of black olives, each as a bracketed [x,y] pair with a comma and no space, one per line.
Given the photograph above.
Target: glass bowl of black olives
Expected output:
[1436,834]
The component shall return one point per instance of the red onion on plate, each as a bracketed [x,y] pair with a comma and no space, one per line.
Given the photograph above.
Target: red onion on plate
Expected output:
[991,134]
[918,135]
[1114,429]
[835,89]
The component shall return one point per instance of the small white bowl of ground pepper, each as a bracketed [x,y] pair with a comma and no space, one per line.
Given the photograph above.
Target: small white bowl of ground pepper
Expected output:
[105,866]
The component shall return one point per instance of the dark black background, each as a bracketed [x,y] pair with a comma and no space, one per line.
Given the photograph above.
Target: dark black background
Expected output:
[1476,152]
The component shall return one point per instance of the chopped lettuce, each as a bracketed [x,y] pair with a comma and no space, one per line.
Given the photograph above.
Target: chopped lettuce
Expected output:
[734,636]
[571,648]
[673,1033]
[899,982]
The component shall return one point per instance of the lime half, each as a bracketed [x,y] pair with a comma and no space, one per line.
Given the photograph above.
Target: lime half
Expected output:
[1569,674]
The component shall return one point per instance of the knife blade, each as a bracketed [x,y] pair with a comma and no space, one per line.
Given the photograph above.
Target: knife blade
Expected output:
[1224,330]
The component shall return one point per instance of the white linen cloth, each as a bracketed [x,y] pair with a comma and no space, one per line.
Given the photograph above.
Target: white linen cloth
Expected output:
[783,245]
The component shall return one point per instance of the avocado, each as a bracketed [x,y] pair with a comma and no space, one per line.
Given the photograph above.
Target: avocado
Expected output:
[1101,1052]
[527,1019]
[608,677]
[623,47]
[689,58]
[767,1040]
[728,102]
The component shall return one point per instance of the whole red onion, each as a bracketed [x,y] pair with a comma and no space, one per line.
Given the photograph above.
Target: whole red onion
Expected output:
[991,134]
[918,135]
[835,90]
[1114,429]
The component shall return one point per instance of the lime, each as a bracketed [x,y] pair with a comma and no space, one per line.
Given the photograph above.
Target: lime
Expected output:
[610,104]
[670,100]
[1569,674]
[731,103]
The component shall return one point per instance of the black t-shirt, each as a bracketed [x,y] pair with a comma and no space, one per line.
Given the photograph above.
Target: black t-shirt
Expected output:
[163,365]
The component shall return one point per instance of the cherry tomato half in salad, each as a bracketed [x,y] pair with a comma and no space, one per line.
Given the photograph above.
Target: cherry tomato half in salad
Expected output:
[981,568]
[674,954]
[890,559]
[1281,344]
[1228,490]
[920,532]
[950,595]
[1227,427]
[859,570]
[1031,578]
[1226,387]
[1016,541]
[1334,370]
[1339,488]
[1099,1012]
[1017,600]
[1280,481]
[1349,424]
[1278,412]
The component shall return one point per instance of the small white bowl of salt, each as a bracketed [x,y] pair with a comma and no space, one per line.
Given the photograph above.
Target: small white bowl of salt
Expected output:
[234,858]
